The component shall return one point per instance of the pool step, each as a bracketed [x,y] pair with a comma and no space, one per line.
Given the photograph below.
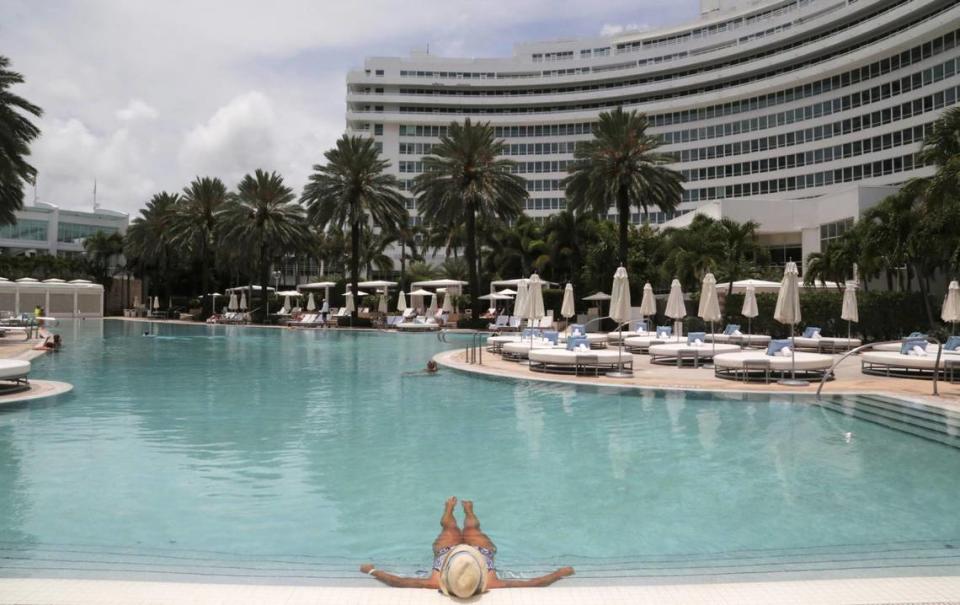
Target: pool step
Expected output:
[926,422]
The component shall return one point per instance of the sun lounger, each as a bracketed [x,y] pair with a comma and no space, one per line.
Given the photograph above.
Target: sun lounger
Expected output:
[514,351]
[812,340]
[310,320]
[916,358]
[757,365]
[418,325]
[577,361]
[15,371]
[499,322]
[681,351]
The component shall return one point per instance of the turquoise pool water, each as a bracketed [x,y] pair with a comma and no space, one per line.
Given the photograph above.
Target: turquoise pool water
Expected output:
[246,453]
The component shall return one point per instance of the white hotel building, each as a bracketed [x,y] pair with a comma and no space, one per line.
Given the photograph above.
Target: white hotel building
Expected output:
[795,113]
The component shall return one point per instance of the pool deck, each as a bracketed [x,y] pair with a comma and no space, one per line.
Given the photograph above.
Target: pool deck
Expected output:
[849,379]
[888,591]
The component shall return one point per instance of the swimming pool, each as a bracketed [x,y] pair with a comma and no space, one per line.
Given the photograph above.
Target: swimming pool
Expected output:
[257,454]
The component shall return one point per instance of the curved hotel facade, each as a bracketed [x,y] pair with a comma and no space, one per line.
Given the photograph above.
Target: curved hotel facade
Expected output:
[797,114]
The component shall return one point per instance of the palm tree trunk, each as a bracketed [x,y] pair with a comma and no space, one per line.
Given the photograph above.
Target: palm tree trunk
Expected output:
[354,265]
[926,299]
[471,254]
[623,216]
[204,280]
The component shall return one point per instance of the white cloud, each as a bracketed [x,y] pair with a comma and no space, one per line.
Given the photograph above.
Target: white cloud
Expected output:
[137,109]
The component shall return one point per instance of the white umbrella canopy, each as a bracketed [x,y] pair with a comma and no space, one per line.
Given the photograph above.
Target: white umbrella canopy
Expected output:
[448,303]
[849,310]
[401,302]
[349,305]
[520,304]
[676,310]
[432,310]
[359,293]
[648,304]
[709,309]
[534,304]
[620,313]
[759,285]
[383,304]
[234,304]
[951,304]
[243,301]
[508,292]
[567,308]
[311,303]
[749,309]
[788,300]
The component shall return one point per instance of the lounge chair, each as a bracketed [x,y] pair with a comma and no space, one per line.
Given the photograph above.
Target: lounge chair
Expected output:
[812,340]
[529,340]
[641,344]
[916,358]
[495,343]
[732,334]
[499,322]
[636,327]
[695,349]
[579,360]
[419,324]
[596,340]
[762,365]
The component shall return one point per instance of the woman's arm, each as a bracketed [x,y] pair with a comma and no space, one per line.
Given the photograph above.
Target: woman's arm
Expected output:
[399,581]
[546,580]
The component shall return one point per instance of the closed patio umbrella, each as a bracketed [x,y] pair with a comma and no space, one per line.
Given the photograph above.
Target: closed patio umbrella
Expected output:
[534,304]
[311,303]
[448,302]
[788,312]
[286,304]
[382,308]
[620,313]
[849,312]
[951,306]
[156,303]
[234,304]
[648,304]
[432,310]
[749,309]
[349,305]
[676,310]
[520,303]
[401,302]
[325,307]
[567,309]
[709,309]
[243,301]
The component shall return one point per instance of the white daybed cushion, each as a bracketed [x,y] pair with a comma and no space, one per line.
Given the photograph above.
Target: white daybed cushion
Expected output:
[706,350]
[931,348]
[895,359]
[615,336]
[592,338]
[13,368]
[503,339]
[644,341]
[754,339]
[828,342]
[561,356]
[520,349]
[805,361]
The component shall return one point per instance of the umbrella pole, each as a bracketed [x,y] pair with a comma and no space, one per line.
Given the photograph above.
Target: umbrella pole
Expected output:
[793,381]
[620,373]
[713,338]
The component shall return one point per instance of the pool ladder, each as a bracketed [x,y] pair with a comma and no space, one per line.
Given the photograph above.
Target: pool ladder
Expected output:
[936,364]
[475,351]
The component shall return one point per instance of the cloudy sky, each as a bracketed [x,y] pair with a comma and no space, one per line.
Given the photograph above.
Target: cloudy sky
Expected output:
[142,95]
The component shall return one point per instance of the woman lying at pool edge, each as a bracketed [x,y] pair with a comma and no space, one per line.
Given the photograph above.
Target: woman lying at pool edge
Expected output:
[463,560]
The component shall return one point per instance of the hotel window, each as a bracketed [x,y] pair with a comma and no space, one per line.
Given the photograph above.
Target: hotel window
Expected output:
[25,229]
[779,255]
[73,232]
[378,129]
[833,231]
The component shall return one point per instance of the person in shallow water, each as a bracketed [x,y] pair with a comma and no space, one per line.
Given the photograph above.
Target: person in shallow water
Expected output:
[462,561]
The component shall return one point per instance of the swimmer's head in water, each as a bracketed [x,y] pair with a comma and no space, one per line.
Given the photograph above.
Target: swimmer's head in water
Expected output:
[431,366]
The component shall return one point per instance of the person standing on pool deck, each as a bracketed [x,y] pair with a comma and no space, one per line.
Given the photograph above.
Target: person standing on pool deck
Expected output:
[462,561]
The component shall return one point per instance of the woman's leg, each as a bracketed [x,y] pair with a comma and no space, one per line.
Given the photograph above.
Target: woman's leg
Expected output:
[450,534]
[472,534]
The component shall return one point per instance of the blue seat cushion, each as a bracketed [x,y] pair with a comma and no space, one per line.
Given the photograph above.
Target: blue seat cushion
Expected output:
[577,329]
[776,345]
[667,330]
[908,343]
[574,343]
[694,336]
[730,329]
[952,344]
[811,332]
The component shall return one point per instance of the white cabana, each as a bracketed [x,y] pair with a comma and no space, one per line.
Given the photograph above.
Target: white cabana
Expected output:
[598,297]
[758,285]
[60,299]
[849,310]
[513,283]
[250,288]
[416,298]
[709,309]
[620,313]
[567,309]
[359,293]
[648,304]
[951,306]
[378,284]
[676,310]
[749,309]
[788,312]
[318,285]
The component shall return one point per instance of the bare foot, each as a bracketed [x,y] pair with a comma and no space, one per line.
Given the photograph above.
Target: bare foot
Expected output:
[468,506]
[450,503]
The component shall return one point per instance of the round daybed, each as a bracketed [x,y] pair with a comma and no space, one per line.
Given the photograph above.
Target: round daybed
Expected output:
[495,343]
[596,340]
[15,371]
[894,363]
[515,351]
[412,326]
[614,337]
[680,351]
[640,344]
[578,362]
[826,343]
[744,340]
[757,365]
[931,348]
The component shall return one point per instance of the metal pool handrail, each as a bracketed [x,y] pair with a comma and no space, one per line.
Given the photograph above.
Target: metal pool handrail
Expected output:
[936,364]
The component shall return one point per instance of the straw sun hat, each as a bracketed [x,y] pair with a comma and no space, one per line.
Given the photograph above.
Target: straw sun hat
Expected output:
[464,572]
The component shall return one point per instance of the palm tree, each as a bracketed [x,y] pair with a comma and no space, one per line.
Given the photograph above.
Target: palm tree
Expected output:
[621,167]
[465,182]
[404,235]
[193,225]
[102,250]
[352,189]
[146,244]
[942,149]
[264,218]
[692,252]
[16,134]
[740,249]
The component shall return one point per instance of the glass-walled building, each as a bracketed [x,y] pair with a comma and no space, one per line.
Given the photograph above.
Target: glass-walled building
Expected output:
[772,109]
[46,229]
